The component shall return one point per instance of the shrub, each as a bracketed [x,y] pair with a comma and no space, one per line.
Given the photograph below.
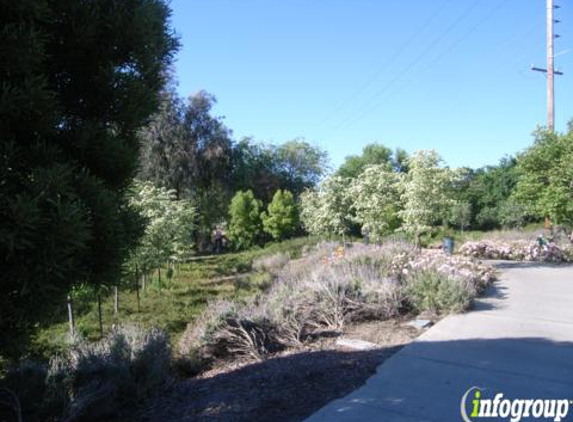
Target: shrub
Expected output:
[197,333]
[23,394]
[389,259]
[289,309]
[428,290]
[98,381]
[228,329]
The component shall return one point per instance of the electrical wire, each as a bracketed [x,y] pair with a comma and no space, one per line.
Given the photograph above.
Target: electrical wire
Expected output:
[388,63]
[433,62]
[411,64]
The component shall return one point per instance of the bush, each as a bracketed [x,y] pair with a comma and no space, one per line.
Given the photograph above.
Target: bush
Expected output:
[99,381]
[228,329]
[428,290]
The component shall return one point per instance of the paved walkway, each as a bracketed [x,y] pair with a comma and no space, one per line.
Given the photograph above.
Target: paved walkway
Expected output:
[518,341]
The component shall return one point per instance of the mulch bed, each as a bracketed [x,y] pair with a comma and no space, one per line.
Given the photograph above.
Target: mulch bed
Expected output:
[285,388]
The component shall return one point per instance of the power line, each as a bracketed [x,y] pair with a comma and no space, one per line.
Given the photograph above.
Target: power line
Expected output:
[435,61]
[410,65]
[394,57]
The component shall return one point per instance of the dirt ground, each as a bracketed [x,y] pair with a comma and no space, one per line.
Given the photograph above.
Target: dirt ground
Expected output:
[287,387]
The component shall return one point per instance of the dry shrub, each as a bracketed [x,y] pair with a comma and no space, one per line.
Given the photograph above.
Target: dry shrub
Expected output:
[288,307]
[388,260]
[198,333]
[229,329]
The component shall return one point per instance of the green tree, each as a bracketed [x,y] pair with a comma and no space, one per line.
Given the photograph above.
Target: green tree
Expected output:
[280,220]
[187,149]
[254,168]
[77,80]
[163,159]
[427,193]
[512,214]
[244,220]
[546,176]
[210,141]
[300,165]
[184,147]
[400,161]
[486,189]
[265,168]
[372,154]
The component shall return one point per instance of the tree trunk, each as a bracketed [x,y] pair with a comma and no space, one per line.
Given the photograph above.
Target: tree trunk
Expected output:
[137,289]
[116,300]
[99,315]
[71,316]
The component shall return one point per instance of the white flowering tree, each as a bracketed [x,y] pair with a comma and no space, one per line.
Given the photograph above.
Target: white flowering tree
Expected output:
[326,210]
[426,193]
[170,223]
[375,196]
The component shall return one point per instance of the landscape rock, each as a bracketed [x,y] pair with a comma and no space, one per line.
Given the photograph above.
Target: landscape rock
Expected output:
[355,344]
[420,324]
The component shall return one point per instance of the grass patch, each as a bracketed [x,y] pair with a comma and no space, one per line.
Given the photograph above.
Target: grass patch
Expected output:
[171,307]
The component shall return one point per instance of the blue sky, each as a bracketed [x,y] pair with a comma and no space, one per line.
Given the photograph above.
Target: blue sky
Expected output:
[451,75]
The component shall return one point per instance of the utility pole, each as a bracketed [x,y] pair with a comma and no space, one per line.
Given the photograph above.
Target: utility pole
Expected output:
[550,67]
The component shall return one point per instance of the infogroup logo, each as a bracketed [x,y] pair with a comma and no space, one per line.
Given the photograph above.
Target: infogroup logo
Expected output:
[511,409]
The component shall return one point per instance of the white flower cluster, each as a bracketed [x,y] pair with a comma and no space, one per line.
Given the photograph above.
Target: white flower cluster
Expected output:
[460,268]
[517,250]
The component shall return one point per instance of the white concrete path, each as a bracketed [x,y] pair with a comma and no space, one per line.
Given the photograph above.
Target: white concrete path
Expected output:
[518,341]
